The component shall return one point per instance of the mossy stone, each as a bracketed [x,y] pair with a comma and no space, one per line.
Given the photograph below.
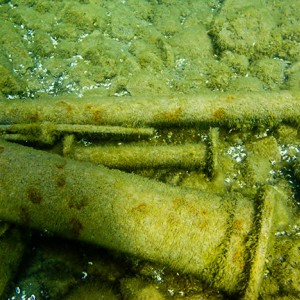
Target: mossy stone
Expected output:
[270,71]
[166,24]
[42,45]
[144,82]
[237,62]
[293,76]
[84,17]
[246,84]
[219,75]
[192,43]
[9,84]
[148,56]
[246,28]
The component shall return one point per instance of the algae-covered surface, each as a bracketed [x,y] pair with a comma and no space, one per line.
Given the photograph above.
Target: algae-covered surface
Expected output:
[148,47]
[119,50]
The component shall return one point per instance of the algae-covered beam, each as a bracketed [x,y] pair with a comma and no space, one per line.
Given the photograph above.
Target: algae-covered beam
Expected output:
[204,234]
[233,110]
[187,156]
[48,133]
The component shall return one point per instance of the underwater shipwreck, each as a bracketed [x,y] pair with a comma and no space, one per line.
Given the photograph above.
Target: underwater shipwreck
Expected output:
[149,149]
[203,185]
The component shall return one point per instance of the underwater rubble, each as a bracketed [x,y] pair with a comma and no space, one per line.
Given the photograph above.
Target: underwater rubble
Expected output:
[201,186]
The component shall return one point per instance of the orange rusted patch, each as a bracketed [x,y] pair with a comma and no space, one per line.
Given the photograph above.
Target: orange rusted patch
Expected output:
[34,195]
[60,165]
[170,116]
[173,219]
[230,98]
[203,224]
[141,208]
[238,259]
[88,106]
[194,211]
[65,105]
[34,117]
[237,226]
[96,113]
[60,181]
[97,116]
[178,202]
[78,202]
[219,114]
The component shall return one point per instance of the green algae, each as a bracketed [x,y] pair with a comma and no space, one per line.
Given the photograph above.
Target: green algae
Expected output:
[162,48]
[69,46]
[214,235]
[12,248]
[258,149]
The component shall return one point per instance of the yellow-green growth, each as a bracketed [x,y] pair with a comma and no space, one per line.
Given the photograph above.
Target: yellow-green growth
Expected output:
[199,233]
[186,156]
[234,110]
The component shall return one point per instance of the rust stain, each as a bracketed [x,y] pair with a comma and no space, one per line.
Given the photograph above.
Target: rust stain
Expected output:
[173,219]
[178,202]
[35,117]
[97,116]
[78,203]
[34,195]
[238,259]
[65,105]
[141,208]
[203,224]
[237,226]
[96,113]
[230,98]
[219,114]
[61,181]
[60,165]
[170,116]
